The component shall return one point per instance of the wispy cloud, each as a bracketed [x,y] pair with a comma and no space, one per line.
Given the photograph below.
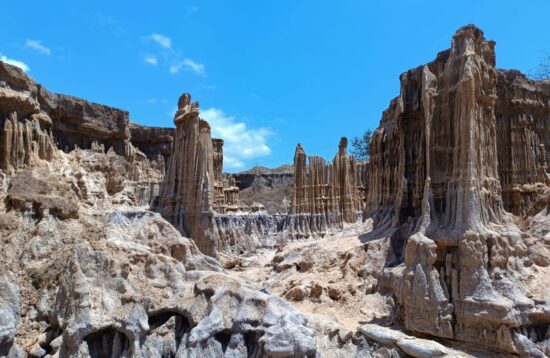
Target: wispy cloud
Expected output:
[162,40]
[154,100]
[172,113]
[169,54]
[188,64]
[22,65]
[241,143]
[192,10]
[38,46]
[152,60]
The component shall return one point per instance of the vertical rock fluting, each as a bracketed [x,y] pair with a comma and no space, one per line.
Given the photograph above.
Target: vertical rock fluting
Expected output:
[523,116]
[219,195]
[25,132]
[325,195]
[187,193]
[443,151]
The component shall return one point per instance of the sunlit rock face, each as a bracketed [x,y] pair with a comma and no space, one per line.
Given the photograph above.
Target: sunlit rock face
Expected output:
[325,194]
[89,271]
[523,140]
[461,147]
[187,193]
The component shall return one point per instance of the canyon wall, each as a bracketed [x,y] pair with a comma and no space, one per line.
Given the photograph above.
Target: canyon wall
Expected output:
[87,269]
[35,125]
[523,117]
[33,120]
[325,195]
[270,187]
[462,146]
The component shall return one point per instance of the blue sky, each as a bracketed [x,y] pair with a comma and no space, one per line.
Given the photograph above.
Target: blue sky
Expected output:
[268,74]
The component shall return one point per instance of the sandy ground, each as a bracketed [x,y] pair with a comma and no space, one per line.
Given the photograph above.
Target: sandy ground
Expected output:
[332,266]
[340,267]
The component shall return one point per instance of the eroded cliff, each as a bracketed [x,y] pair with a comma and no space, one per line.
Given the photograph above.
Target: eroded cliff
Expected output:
[462,146]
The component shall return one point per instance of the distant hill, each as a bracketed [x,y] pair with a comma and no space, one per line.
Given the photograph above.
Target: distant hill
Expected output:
[266,186]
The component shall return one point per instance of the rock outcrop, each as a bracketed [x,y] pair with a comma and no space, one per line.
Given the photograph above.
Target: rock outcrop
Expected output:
[461,146]
[270,187]
[154,142]
[119,280]
[523,140]
[201,201]
[187,194]
[34,121]
[325,195]
[25,131]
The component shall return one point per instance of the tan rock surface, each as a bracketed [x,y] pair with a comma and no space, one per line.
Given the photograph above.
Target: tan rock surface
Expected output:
[119,280]
[325,195]
[459,263]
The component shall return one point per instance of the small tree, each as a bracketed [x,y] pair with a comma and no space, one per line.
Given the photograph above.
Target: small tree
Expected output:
[542,71]
[361,146]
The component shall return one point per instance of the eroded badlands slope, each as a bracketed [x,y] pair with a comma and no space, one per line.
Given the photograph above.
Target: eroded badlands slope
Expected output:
[112,233]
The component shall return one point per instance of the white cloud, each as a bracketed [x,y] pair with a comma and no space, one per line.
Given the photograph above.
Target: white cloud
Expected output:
[190,65]
[162,40]
[241,143]
[22,65]
[172,113]
[152,60]
[38,46]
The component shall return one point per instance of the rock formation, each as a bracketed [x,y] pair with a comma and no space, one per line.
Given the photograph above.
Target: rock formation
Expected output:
[154,142]
[523,117]
[461,146]
[325,195]
[25,131]
[270,187]
[89,271]
[226,193]
[187,194]
[202,202]
[457,192]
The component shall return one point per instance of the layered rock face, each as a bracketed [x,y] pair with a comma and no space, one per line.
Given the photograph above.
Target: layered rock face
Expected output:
[523,140]
[154,142]
[71,122]
[25,130]
[325,195]
[461,145]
